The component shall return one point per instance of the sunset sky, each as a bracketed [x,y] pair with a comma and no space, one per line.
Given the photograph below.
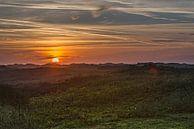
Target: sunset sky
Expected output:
[96,31]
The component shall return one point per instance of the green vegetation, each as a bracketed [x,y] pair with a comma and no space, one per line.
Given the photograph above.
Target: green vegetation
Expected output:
[112,97]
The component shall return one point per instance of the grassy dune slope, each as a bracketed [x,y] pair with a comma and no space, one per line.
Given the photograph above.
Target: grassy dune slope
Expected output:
[112,97]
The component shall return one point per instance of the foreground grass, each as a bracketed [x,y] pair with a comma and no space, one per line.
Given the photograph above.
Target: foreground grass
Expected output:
[12,119]
[130,98]
[181,121]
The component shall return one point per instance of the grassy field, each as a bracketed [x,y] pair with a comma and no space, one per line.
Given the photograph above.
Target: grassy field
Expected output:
[103,97]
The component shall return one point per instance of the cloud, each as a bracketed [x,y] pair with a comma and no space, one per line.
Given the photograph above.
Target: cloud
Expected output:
[86,26]
[99,12]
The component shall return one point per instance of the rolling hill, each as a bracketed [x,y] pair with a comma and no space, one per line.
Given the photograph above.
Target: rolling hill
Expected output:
[148,96]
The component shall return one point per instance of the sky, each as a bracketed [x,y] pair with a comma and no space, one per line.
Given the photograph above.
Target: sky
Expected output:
[96,31]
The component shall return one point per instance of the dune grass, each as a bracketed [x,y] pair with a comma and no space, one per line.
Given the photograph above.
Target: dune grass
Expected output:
[115,99]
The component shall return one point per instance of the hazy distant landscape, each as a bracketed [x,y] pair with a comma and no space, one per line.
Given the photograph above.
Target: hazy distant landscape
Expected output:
[104,96]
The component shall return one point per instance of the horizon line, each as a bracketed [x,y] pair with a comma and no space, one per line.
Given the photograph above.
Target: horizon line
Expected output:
[61,64]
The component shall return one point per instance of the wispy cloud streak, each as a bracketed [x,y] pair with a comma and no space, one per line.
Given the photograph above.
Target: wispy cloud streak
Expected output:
[90,30]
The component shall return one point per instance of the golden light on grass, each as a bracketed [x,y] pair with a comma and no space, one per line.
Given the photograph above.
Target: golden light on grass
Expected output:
[55,60]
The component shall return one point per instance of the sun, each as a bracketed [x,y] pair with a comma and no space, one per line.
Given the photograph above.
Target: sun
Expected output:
[55,60]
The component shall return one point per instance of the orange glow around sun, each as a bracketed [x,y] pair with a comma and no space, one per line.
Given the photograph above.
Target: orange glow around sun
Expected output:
[58,54]
[55,60]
